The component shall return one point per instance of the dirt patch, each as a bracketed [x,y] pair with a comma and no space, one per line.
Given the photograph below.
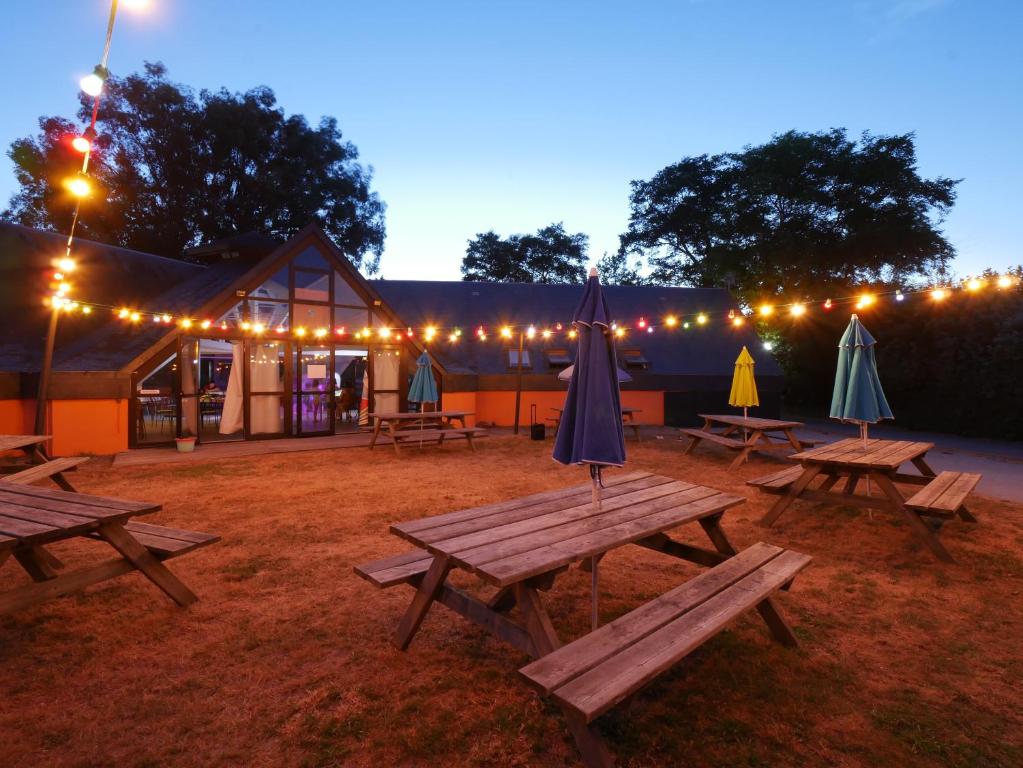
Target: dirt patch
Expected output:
[285,661]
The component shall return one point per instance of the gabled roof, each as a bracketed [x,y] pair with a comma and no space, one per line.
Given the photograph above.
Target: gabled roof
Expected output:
[106,274]
[708,350]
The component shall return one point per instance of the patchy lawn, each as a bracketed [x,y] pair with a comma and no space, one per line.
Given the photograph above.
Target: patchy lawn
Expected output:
[285,661]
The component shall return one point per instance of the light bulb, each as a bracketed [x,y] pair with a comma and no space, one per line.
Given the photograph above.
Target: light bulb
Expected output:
[92,84]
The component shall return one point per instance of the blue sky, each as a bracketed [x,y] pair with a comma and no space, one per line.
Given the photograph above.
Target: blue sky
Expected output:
[510,115]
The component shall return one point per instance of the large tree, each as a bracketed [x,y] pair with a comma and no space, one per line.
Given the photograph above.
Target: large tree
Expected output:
[549,256]
[803,213]
[172,169]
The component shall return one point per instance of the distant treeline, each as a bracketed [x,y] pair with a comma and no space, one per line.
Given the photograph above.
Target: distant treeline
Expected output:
[954,366]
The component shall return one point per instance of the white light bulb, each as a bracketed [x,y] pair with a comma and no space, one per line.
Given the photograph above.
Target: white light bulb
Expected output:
[92,84]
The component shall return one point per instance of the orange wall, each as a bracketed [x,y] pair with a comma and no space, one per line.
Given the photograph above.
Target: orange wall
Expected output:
[78,426]
[498,407]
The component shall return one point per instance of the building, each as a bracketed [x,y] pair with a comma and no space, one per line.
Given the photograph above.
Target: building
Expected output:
[253,339]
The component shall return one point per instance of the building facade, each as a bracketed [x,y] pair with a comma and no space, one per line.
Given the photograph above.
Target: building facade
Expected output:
[252,339]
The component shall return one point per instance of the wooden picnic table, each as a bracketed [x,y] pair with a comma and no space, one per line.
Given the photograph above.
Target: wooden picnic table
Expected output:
[520,546]
[628,419]
[757,434]
[402,421]
[33,518]
[31,447]
[877,462]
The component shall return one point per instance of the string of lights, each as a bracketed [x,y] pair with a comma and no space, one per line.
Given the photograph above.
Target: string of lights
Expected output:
[737,317]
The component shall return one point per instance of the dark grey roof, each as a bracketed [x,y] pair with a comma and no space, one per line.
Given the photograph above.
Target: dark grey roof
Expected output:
[708,350]
[105,275]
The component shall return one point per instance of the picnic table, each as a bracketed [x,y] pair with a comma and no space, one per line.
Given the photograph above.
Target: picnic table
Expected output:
[757,435]
[878,462]
[520,546]
[428,426]
[32,518]
[628,419]
[38,465]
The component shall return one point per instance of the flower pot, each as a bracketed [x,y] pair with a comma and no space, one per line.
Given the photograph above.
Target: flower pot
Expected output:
[185,444]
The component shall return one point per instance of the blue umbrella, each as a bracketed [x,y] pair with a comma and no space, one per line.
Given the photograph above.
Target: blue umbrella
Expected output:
[424,387]
[858,396]
[591,425]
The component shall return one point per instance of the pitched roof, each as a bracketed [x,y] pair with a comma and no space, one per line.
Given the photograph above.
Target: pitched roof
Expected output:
[708,350]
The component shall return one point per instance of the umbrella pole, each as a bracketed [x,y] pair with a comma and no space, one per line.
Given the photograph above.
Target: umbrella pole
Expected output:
[863,431]
[594,561]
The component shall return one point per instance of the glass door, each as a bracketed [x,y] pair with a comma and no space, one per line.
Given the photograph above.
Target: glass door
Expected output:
[313,386]
[267,399]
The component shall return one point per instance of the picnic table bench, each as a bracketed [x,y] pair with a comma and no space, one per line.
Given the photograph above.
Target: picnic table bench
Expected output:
[38,465]
[761,435]
[520,546]
[628,419]
[424,427]
[32,518]
[877,461]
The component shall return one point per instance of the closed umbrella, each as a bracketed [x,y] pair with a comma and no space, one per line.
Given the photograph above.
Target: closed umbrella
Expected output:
[858,396]
[424,386]
[591,425]
[744,386]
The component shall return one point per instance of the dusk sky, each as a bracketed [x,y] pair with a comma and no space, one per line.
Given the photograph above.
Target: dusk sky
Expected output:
[513,115]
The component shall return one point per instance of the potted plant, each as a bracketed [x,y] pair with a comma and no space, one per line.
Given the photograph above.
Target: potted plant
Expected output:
[185,443]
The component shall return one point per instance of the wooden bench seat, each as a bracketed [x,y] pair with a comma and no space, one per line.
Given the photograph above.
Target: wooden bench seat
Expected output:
[167,543]
[399,569]
[945,495]
[44,470]
[438,435]
[592,674]
[714,437]
[777,482]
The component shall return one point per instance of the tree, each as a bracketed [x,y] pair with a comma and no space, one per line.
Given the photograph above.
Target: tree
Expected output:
[550,256]
[804,213]
[614,269]
[173,169]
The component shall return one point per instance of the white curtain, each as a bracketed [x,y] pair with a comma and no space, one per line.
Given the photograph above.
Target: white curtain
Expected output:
[233,417]
[265,410]
[385,376]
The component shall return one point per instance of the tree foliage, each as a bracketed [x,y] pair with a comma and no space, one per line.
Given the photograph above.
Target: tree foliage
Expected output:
[616,269]
[550,256]
[804,213]
[172,169]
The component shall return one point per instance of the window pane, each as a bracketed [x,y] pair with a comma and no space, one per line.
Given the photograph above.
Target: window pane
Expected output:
[311,317]
[270,314]
[311,257]
[312,286]
[513,358]
[274,288]
[350,319]
[344,293]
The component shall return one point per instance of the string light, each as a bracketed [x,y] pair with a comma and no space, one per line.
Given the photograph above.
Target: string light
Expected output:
[546,333]
[385,333]
[86,310]
[453,338]
[671,321]
[619,332]
[506,332]
[530,332]
[81,144]
[737,320]
[78,186]
[429,333]
[258,328]
[766,310]
[939,294]
[865,301]
[685,325]
[573,333]
[701,319]
[899,296]
[408,332]
[798,310]
[92,83]
[186,323]
[300,331]
[320,333]
[66,265]
[246,325]
[206,324]
[134,317]
[973,284]
[1005,281]
[827,304]
[641,323]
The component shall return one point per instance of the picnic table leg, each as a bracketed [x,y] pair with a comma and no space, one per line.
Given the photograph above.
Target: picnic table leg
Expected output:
[793,440]
[376,432]
[4,555]
[800,484]
[392,430]
[592,748]
[768,611]
[428,590]
[750,443]
[915,522]
[36,562]
[145,561]
[503,601]
[850,484]
[830,481]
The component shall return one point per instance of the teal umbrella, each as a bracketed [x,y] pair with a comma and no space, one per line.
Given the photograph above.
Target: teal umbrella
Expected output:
[424,387]
[858,396]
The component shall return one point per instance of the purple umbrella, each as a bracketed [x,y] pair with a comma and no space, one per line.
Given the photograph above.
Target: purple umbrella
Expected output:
[591,425]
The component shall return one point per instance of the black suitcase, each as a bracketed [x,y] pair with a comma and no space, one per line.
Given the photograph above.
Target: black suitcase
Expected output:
[536,431]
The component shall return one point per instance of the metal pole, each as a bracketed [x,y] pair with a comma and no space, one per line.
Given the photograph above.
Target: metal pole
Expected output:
[44,374]
[518,387]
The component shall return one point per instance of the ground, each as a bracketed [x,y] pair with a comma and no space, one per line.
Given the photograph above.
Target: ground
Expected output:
[285,661]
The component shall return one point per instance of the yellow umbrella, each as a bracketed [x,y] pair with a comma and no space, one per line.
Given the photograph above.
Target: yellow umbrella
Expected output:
[744,386]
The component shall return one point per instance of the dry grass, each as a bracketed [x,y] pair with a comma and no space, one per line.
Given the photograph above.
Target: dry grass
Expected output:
[286,661]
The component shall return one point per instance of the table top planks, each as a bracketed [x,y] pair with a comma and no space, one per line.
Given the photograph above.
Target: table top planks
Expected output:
[30,515]
[751,422]
[415,415]
[14,442]
[875,454]
[510,541]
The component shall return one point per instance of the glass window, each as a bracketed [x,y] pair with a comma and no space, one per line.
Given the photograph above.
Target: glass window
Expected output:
[270,314]
[311,258]
[274,288]
[312,286]
[157,403]
[311,317]
[350,318]
[513,359]
[344,293]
